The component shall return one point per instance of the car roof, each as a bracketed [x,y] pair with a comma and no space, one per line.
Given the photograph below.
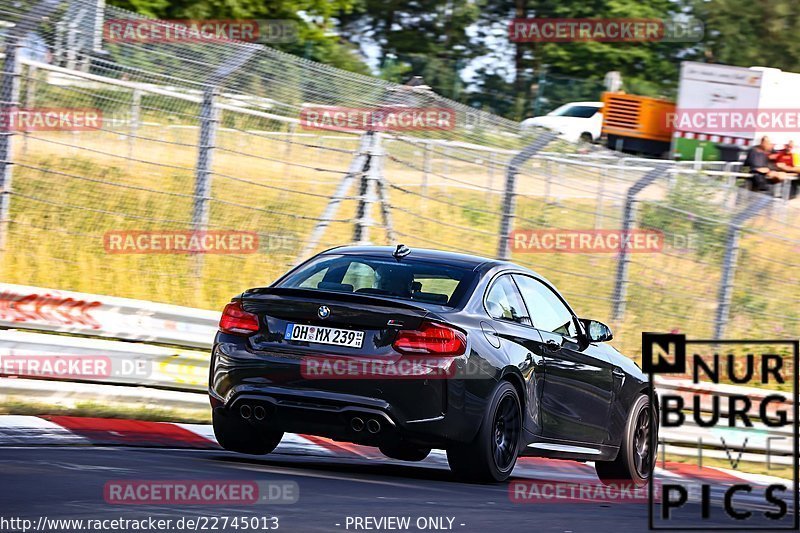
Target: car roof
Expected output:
[474,262]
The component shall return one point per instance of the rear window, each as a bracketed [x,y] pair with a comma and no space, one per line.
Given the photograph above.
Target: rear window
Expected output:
[408,279]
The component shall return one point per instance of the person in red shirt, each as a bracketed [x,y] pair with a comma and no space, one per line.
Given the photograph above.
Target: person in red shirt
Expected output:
[784,161]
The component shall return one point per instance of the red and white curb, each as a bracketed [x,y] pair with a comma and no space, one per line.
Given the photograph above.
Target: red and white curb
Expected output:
[18,430]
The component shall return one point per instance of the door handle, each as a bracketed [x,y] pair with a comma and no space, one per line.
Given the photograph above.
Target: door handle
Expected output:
[617,371]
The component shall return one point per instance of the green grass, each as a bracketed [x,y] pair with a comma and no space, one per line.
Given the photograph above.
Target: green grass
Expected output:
[19,406]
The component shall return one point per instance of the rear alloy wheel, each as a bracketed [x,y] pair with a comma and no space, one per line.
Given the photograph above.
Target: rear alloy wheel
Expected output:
[635,460]
[404,452]
[239,436]
[491,456]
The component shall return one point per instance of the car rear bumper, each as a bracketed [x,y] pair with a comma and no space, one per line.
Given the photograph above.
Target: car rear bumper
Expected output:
[430,412]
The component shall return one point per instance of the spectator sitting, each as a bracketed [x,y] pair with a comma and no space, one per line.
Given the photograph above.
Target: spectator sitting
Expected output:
[784,160]
[762,169]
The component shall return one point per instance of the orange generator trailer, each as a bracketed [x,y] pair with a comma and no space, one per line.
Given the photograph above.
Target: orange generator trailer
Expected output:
[637,124]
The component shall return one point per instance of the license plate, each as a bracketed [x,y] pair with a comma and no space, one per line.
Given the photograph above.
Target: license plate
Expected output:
[322,335]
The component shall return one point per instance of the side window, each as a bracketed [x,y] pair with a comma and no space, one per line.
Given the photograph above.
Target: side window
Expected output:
[360,276]
[314,280]
[504,302]
[548,312]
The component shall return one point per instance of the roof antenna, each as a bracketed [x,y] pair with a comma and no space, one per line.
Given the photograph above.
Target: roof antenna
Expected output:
[401,251]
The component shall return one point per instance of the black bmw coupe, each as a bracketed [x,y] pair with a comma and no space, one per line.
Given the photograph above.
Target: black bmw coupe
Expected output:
[410,350]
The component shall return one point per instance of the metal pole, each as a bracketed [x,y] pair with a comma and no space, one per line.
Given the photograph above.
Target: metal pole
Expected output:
[628,219]
[9,101]
[383,194]
[509,194]
[598,214]
[725,293]
[133,127]
[491,177]
[426,167]
[209,121]
[548,169]
[30,100]
[366,196]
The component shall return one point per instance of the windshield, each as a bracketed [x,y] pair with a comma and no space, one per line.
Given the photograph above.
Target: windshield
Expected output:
[579,111]
[409,279]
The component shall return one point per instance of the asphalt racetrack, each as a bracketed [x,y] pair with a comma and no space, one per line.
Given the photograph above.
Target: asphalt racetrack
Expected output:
[67,482]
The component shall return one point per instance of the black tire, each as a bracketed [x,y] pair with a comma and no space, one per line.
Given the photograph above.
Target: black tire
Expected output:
[404,452]
[635,460]
[239,436]
[491,456]
[586,137]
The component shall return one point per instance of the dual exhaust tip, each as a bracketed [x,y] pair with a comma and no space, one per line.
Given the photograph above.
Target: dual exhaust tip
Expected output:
[358,424]
[247,412]
[372,425]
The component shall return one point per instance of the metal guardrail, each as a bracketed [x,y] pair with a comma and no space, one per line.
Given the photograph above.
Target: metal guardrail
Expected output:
[77,313]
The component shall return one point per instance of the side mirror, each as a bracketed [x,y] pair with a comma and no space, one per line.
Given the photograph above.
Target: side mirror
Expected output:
[596,331]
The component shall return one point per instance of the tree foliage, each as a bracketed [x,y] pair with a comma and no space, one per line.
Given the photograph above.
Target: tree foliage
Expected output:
[462,49]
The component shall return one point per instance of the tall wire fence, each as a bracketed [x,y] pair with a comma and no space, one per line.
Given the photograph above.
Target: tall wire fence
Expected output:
[209,136]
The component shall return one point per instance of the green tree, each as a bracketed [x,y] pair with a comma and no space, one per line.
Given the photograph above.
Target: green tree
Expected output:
[649,66]
[427,38]
[751,32]
[316,40]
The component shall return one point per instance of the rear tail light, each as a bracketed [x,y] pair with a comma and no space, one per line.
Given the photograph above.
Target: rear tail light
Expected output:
[432,339]
[237,321]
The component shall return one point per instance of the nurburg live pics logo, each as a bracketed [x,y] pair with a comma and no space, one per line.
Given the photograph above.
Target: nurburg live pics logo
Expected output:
[720,415]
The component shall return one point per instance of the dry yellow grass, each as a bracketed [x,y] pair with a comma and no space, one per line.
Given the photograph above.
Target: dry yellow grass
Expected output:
[59,219]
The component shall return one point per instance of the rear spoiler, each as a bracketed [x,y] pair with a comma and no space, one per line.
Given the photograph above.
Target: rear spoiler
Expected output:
[317,294]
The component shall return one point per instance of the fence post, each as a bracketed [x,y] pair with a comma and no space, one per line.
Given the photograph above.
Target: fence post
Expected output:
[376,166]
[491,177]
[29,99]
[509,193]
[133,127]
[548,177]
[628,219]
[9,100]
[209,121]
[366,192]
[601,190]
[725,293]
[426,167]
